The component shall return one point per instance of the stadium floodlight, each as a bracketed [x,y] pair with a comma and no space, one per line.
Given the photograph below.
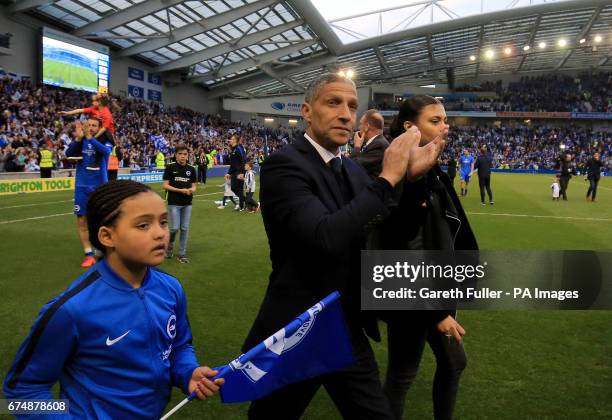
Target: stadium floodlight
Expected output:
[562,42]
[341,73]
[269,120]
[582,41]
[293,121]
[526,48]
[598,38]
[350,73]
[472,58]
[542,45]
[490,54]
[508,51]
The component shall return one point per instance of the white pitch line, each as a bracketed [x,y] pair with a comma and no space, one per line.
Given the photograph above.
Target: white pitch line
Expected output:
[590,219]
[35,204]
[605,188]
[201,195]
[4,222]
[66,201]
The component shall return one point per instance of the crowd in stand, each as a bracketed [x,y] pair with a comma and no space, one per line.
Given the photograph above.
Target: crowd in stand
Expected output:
[29,118]
[587,92]
[521,146]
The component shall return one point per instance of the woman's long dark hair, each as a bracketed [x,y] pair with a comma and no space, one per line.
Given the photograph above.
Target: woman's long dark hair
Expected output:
[409,111]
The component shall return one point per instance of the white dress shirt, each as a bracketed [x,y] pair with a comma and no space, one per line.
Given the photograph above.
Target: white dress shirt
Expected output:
[325,154]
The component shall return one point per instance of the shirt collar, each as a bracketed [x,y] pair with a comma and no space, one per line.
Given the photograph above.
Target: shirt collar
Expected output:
[115,280]
[370,141]
[325,154]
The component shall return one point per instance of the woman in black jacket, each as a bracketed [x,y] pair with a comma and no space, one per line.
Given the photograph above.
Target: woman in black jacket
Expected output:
[429,216]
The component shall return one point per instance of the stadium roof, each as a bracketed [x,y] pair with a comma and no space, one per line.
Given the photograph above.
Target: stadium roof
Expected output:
[254,48]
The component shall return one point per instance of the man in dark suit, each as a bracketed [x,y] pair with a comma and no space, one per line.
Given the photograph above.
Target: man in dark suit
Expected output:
[566,169]
[237,159]
[483,165]
[316,208]
[370,143]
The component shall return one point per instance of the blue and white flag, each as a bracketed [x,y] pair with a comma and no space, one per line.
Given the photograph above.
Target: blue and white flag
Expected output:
[316,342]
[266,151]
[160,142]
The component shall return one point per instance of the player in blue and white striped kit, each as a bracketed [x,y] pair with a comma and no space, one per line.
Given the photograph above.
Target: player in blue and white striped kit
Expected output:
[118,338]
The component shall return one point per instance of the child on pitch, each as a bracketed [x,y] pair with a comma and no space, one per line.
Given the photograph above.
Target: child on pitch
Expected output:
[228,194]
[100,109]
[249,183]
[179,181]
[556,188]
[118,338]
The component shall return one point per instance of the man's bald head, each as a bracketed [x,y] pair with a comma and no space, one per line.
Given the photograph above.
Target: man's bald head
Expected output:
[374,118]
[371,124]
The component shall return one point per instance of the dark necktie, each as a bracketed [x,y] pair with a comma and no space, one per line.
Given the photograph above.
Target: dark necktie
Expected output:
[336,166]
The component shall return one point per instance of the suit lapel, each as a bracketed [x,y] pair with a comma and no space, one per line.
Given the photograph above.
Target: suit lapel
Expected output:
[321,168]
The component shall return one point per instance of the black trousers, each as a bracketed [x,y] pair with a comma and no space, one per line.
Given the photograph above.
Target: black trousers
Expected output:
[356,392]
[485,182]
[592,187]
[238,188]
[202,174]
[406,341]
[45,172]
[250,202]
[563,183]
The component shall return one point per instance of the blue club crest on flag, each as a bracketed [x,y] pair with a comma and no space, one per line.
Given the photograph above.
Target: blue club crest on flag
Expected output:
[314,343]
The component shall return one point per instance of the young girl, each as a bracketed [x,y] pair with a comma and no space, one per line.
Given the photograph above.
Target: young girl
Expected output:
[228,194]
[118,338]
[555,188]
[429,216]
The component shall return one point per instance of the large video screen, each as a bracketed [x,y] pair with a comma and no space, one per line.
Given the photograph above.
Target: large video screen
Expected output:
[72,66]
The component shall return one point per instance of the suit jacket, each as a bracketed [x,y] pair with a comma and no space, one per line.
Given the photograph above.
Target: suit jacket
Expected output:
[315,239]
[371,156]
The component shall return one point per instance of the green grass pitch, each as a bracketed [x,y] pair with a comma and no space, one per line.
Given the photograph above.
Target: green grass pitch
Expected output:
[521,364]
[74,77]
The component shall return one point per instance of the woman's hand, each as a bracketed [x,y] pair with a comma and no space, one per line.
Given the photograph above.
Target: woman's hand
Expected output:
[423,158]
[203,386]
[451,328]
